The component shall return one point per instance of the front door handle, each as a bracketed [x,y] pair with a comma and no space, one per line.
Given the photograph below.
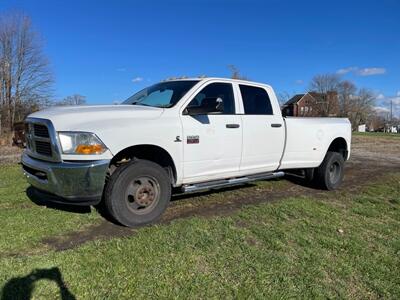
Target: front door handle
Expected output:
[276,125]
[232,125]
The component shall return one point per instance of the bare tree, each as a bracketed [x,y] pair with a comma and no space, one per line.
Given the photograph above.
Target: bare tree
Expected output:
[283,97]
[25,77]
[361,107]
[325,84]
[75,99]
[346,92]
[235,73]
[376,121]
[357,105]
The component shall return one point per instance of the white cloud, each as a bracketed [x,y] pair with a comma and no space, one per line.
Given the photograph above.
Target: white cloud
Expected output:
[299,81]
[380,96]
[346,70]
[361,71]
[398,93]
[381,109]
[371,71]
[137,79]
[395,100]
[121,69]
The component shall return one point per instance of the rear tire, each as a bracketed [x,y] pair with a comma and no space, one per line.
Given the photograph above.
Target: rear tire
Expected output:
[309,175]
[137,193]
[329,175]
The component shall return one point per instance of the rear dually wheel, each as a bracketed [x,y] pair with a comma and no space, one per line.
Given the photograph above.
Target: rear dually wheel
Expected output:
[329,175]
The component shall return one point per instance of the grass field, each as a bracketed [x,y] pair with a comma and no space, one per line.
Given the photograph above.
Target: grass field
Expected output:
[345,244]
[377,134]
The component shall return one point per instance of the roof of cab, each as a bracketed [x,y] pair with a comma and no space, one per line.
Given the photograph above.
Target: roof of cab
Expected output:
[204,78]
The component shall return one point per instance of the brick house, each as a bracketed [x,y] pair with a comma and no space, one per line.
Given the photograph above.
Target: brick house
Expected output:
[312,104]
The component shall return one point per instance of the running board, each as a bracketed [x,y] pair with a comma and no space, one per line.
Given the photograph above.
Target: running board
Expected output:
[204,186]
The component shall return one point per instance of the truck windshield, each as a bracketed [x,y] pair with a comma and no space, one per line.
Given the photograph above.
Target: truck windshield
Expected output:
[164,94]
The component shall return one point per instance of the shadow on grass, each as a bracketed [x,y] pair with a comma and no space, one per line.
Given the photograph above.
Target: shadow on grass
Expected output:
[301,181]
[42,199]
[22,287]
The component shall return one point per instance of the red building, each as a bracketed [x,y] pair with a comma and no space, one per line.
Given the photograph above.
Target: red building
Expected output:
[312,104]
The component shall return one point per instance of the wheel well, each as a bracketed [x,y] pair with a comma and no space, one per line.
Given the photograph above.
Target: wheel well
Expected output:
[152,153]
[339,145]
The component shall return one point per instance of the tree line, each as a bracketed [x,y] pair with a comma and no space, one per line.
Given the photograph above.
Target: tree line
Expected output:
[26,79]
[356,104]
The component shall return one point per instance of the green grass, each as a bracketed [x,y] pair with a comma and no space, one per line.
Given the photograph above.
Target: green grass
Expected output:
[23,223]
[344,245]
[377,134]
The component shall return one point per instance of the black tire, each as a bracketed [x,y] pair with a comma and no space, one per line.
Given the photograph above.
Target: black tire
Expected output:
[137,193]
[329,175]
[309,175]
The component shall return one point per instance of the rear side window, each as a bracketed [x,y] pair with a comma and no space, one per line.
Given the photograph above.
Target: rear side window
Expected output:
[217,90]
[255,100]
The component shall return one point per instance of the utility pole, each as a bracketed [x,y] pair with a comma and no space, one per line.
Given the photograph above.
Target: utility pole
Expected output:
[391,110]
[391,116]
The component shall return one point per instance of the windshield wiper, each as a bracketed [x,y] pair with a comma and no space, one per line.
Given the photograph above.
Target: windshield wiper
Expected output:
[139,103]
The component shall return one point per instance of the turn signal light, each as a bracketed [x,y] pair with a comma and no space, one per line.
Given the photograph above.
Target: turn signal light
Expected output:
[89,149]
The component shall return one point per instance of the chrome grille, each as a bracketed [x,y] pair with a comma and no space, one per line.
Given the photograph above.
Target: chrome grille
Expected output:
[42,140]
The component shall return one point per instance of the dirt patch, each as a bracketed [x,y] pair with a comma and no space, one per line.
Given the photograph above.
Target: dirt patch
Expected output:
[381,151]
[10,155]
[104,230]
[357,176]
[371,158]
[252,242]
[241,224]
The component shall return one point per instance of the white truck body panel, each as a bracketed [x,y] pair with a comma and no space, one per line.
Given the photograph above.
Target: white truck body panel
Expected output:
[254,147]
[308,140]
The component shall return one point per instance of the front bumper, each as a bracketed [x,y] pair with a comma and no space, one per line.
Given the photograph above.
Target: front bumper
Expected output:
[79,183]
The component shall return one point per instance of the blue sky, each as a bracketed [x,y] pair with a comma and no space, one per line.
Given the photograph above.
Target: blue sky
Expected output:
[107,50]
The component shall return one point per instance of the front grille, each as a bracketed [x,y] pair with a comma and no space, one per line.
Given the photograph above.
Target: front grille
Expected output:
[40,130]
[40,138]
[43,148]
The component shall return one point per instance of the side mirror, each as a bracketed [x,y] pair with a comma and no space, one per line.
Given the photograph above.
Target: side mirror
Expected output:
[208,105]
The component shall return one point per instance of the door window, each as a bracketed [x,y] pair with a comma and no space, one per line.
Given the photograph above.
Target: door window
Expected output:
[255,100]
[224,91]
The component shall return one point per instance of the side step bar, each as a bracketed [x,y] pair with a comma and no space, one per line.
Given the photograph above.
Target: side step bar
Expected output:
[204,186]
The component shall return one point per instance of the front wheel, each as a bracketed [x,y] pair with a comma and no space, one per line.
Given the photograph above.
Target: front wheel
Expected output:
[138,193]
[329,175]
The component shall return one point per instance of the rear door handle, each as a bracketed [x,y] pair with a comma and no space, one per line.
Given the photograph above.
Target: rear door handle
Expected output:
[276,125]
[232,125]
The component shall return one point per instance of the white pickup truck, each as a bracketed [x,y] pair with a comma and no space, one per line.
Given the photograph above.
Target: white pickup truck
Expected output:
[187,135]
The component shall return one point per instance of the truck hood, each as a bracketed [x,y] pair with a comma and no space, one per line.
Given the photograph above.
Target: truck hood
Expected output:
[87,117]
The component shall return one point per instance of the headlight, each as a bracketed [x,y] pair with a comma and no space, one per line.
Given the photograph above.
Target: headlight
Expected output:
[81,143]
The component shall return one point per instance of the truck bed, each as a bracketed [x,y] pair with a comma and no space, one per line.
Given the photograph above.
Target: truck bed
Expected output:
[308,139]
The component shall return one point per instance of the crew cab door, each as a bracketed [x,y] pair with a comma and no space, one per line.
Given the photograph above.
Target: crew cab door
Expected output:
[212,141]
[263,130]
